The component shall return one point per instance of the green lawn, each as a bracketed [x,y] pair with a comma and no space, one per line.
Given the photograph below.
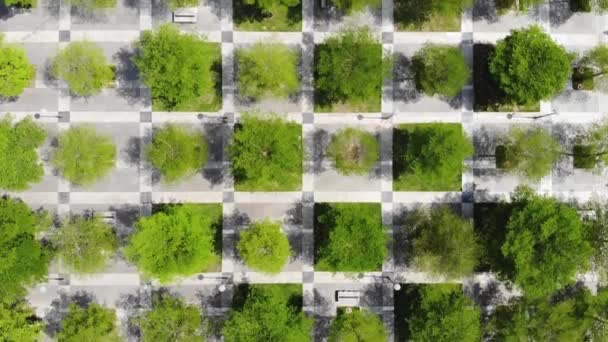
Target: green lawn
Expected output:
[293,293]
[279,18]
[411,15]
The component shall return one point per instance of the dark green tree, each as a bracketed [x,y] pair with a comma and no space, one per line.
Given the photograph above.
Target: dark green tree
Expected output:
[354,151]
[596,227]
[266,154]
[19,164]
[171,319]
[16,70]
[177,241]
[441,70]
[21,3]
[270,4]
[356,240]
[83,155]
[360,325]
[530,153]
[596,59]
[93,323]
[18,321]
[529,66]
[177,152]
[264,247]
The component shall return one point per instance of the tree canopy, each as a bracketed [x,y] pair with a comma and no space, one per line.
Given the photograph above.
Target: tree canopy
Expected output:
[351,6]
[20,3]
[267,70]
[441,70]
[178,68]
[16,72]
[547,243]
[529,66]
[360,325]
[354,151]
[182,3]
[270,4]
[264,247]
[18,321]
[83,66]
[596,138]
[93,323]
[597,230]
[176,241]
[177,152]
[269,313]
[171,319]
[19,163]
[356,240]
[83,155]
[444,244]
[597,60]
[23,260]
[530,153]
[266,154]
[85,245]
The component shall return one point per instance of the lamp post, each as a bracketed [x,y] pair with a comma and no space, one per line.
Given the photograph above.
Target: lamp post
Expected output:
[201,116]
[512,115]
[221,287]
[360,117]
[396,286]
[38,116]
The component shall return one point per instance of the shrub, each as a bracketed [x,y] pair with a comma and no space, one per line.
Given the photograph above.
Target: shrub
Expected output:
[264,247]
[440,69]
[93,323]
[18,321]
[530,153]
[360,325]
[16,70]
[83,155]
[170,319]
[354,151]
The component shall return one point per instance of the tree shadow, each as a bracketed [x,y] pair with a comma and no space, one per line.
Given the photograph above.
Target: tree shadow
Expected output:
[294,215]
[237,219]
[404,80]
[490,223]
[48,78]
[485,143]
[216,136]
[560,12]
[59,309]
[88,14]
[485,10]
[7,12]
[127,76]
[407,304]
[486,295]
[134,4]
[132,153]
[323,307]
[126,217]
[567,135]
[321,230]
[320,139]
[219,8]
[295,243]
[412,12]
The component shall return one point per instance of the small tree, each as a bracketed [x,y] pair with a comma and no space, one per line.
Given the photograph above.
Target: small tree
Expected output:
[351,6]
[83,155]
[170,319]
[178,241]
[93,323]
[177,152]
[530,153]
[266,154]
[19,164]
[440,69]
[20,3]
[353,151]
[360,325]
[267,69]
[264,247]
[18,321]
[16,70]
[597,60]
[83,67]
[85,245]
[529,66]
[446,245]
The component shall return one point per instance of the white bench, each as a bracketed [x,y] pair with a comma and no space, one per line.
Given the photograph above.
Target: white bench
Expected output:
[108,217]
[185,15]
[348,298]
[589,214]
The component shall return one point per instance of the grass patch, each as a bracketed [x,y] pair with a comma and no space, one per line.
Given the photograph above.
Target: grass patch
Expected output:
[291,292]
[278,18]
[582,78]
[584,158]
[580,5]
[490,222]
[415,15]
[488,95]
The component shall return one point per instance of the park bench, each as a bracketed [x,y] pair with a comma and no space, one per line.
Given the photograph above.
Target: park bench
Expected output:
[108,217]
[185,15]
[348,298]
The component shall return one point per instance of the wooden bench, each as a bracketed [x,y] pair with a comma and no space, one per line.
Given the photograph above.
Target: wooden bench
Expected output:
[186,15]
[348,298]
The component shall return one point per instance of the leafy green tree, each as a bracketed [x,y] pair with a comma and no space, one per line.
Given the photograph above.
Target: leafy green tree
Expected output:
[597,230]
[354,151]
[18,321]
[267,70]
[446,244]
[182,3]
[20,3]
[16,72]
[268,314]
[177,241]
[264,247]
[530,153]
[19,164]
[23,260]
[440,69]
[83,155]
[546,242]
[351,6]
[85,245]
[177,152]
[266,154]
[360,325]
[597,60]
[268,5]
[415,14]
[171,319]
[83,67]
[445,314]
[430,157]
[93,323]
[356,240]
[178,68]
[529,66]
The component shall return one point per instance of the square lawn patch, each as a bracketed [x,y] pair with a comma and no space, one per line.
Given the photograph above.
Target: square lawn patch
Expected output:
[291,292]
[416,15]
[279,18]
[584,157]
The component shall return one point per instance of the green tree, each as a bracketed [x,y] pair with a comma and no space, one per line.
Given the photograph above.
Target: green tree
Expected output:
[268,5]
[267,70]
[83,155]
[356,240]
[178,68]
[177,241]
[354,151]
[93,323]
[597,230]
[23,260]
[19,164]
[20,3]
[266,154]
[85,245]
[351,6]
[18,321]
[546,242]
[83,67]
[177,152]
[173,4]
[16,72]
[440,69]
[530,153]
[264,247]
[597,60]
[268,314]
[171,319]
[445,244]
[88,6]
[415,14]
[529,66]
[445,314]
[360,325]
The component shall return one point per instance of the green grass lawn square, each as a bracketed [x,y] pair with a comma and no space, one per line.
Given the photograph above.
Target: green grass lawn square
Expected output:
[583,157]
[279,18]
[410,15]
